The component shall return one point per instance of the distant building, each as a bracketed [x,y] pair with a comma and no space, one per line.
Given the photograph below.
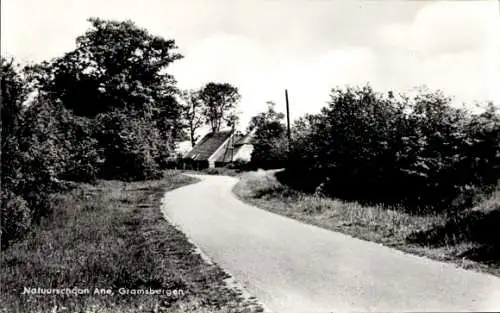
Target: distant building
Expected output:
[219,148]
[244,147]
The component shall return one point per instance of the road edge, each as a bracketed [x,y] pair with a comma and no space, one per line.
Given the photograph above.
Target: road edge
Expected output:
[231,281]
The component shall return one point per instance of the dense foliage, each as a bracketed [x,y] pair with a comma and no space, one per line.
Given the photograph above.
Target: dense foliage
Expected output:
[115,65]
[15,214]
[419,151]
[270,146]
[219,104]
[132,149]
[107,109]
[116,79]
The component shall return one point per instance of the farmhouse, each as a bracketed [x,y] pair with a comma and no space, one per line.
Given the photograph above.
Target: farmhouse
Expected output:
[219,148]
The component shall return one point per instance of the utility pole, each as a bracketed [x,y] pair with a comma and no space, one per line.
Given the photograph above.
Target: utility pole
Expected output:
[289,134]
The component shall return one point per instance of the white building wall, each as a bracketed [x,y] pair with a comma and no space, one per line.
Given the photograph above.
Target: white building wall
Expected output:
[244,153]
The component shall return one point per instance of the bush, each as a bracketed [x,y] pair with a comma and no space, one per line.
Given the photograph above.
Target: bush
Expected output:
[241,165]
[190,164]
[131,147]
[421,152]
[270,153]
[62,141]
[15,217]
[50,145]
[56,144]
[83,161]
[173,162]
[82,158]
[59,135]
[270,146]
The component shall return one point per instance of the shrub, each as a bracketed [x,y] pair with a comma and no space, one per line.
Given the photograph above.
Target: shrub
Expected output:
[15,217]
[131,147]
[240,165]
[13,94]
[81,151]
[270,149]
[83,161]
[54,141]
[418,151]
[269,153]
[172,162]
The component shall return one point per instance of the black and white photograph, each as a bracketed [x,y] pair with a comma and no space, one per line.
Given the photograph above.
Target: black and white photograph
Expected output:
[248,156]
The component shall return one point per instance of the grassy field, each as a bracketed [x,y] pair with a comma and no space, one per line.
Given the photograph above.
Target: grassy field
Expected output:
[111,236]
[470,239]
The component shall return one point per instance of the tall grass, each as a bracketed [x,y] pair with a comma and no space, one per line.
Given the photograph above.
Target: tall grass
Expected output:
[110,236]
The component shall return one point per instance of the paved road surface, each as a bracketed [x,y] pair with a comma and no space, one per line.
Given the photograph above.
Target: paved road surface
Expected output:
[294,267]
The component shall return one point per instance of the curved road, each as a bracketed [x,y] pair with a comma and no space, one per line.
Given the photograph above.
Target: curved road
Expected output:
[294,267]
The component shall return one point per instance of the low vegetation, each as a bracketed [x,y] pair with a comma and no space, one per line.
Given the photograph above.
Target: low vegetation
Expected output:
[224,171]
[469,238]
[108,236]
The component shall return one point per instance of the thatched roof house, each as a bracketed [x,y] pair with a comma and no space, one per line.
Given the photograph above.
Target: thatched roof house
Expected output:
[219,148]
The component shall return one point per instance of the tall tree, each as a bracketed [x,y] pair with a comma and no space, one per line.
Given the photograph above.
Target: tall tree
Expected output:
[192,111]
[13,94]
[270,144]
[117,77]
[14,211]
[115,65]
[270,116]
[220,100]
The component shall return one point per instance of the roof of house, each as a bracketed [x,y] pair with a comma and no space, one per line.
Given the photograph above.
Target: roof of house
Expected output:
[228,150]
[208,145]
[247,139]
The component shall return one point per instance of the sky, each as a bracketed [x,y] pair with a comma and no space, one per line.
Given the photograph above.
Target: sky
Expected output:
[305,46]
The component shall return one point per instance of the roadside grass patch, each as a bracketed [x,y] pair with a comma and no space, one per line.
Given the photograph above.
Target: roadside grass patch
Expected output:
[108,236]
[470,239]
[222,171]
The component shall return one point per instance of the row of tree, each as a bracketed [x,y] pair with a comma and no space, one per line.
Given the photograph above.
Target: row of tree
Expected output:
[107,109]
[417,151]
[214,104]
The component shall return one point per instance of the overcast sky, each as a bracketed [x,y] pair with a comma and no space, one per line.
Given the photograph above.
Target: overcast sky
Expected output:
[309,47]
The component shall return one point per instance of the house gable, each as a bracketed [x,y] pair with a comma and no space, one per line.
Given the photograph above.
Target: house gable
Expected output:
[222,147]
[208,145]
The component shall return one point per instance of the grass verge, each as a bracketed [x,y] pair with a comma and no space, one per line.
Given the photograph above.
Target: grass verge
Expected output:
[110,236]
[469,239]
